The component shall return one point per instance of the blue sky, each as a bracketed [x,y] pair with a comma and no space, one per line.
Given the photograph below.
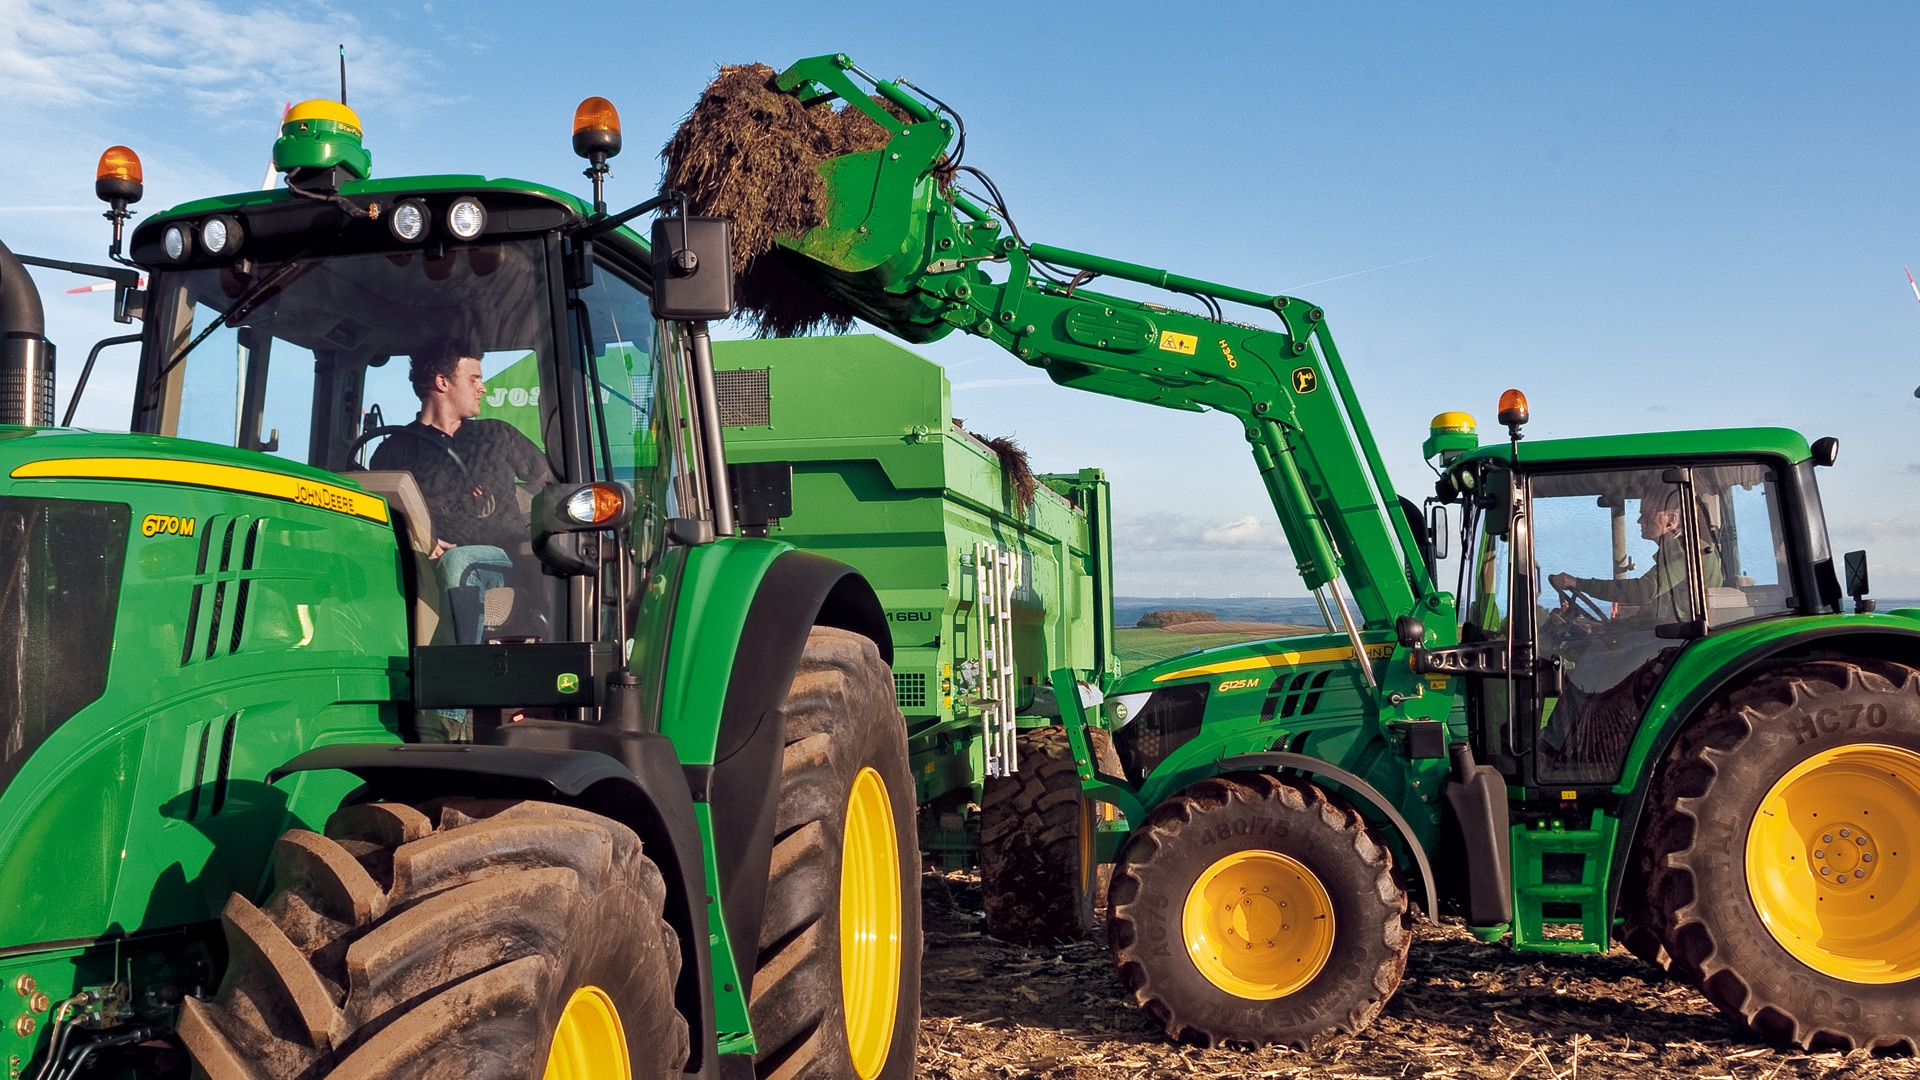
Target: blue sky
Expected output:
[1647,216]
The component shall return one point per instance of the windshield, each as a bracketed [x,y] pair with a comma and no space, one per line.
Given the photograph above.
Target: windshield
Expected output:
[321,355]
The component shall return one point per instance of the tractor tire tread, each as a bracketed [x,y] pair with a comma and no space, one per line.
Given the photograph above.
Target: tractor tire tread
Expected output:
[1692,832]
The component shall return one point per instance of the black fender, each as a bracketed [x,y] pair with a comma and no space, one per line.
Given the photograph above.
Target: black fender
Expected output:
[1279,759]
[645,790]
[1844,641]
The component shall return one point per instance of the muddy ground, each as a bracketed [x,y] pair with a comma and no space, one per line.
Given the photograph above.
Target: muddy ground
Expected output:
[990,1009]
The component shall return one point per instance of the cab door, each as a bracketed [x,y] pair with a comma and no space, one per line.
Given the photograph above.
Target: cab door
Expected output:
[1611,593]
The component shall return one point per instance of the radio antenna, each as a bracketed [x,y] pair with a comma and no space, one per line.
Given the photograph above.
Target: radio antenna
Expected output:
[343,73]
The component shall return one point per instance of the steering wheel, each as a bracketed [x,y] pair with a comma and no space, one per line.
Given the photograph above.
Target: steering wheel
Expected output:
[1579,606]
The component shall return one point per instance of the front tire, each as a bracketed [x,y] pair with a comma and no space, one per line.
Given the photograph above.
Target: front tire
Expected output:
[1787,872]
[464,939]
[836,991]
[1251,909]
[1039,870]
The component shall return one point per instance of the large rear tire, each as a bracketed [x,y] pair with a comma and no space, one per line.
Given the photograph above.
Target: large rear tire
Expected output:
[836,990]
[464,939]
[1787,871]
[1251,909]
[1039,870]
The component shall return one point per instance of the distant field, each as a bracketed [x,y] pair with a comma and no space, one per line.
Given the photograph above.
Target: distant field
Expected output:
[1140,646]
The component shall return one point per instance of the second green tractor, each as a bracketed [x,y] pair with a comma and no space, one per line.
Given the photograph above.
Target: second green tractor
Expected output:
[1638,714]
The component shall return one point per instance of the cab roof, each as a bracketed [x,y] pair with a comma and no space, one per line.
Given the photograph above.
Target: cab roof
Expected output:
[1772,441]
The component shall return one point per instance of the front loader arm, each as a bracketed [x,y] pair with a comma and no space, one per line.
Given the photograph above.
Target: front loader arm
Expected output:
[905,249]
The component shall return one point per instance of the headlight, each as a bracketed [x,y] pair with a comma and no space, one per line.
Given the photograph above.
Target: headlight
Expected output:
[220,235]
[466,218]
[408,220]
[595,504]
[178,241]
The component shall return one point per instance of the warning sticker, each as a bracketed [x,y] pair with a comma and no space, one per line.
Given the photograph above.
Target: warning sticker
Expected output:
[1184,344]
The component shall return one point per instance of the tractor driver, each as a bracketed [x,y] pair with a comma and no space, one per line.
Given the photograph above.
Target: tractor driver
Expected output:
[1663,588]
[470,473]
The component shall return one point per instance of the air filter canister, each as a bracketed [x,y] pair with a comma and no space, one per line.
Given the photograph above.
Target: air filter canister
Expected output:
[26,381]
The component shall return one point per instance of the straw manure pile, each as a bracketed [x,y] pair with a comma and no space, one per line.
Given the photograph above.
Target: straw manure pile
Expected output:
[750,153]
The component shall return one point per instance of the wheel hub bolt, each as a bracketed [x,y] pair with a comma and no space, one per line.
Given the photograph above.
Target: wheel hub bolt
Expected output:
[1842,861]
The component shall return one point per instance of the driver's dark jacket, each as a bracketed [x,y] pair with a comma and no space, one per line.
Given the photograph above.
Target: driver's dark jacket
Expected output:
[475,504]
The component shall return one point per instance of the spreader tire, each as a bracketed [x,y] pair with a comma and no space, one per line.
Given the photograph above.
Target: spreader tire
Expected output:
[1251,909]
[836,991]
[463,939]
[1039,871]
[1789,880]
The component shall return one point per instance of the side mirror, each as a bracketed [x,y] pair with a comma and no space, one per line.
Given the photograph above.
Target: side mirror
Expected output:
[692,268]
[1857,586]
[1826,451]
[568,519]
[762,494]
[1437,530]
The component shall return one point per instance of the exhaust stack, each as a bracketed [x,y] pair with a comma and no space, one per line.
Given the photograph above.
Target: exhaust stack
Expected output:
[26,356]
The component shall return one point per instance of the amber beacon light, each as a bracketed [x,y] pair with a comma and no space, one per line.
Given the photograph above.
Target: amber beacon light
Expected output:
[596,137]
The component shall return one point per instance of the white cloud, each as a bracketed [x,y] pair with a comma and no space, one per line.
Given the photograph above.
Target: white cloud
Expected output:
[208,59]
[991,384]
[1169,554]
[1182,532]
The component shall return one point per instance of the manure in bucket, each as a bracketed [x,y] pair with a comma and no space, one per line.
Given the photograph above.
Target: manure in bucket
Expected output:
[751,153]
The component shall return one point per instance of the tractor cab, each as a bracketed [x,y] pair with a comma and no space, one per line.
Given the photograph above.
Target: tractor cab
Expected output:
[1589,566]
[473,351]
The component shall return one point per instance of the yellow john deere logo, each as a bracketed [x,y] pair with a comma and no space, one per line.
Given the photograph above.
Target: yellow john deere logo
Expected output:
[567,683]
[1304,380]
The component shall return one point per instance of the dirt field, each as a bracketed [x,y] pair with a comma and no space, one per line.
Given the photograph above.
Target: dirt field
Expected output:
[1465,1010]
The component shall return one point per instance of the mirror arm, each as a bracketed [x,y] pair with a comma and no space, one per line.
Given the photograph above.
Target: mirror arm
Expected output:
[595,227]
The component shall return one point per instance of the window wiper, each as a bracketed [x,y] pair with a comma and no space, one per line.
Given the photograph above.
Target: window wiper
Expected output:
[240,309]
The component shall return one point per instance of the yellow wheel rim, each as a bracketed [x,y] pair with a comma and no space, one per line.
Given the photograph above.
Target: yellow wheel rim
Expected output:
[1086,846]
[589,1043]
[1258,925]
[870,923]
[1830,863]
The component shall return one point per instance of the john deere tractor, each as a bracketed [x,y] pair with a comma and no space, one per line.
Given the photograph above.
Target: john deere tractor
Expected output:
[292,786]
[1640,713]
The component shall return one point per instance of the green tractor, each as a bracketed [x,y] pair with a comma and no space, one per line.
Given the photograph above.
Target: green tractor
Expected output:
[291,784]
[1640,714]
[992,578]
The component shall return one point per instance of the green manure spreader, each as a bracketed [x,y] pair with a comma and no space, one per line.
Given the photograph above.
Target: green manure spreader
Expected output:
[335,742]
[1639,714]
[992,579]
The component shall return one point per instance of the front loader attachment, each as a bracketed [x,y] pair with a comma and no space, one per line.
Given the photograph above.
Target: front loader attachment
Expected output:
[862,212]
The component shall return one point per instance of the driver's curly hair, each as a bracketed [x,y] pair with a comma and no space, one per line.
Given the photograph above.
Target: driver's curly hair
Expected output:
[439,356]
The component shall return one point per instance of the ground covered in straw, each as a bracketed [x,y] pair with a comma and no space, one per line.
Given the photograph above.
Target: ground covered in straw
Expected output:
[990,1009]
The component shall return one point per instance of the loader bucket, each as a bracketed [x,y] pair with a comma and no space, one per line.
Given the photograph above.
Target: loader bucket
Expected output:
[847,198]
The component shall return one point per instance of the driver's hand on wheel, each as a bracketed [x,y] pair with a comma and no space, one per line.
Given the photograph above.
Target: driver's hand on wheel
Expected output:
[440,547]
[1562,581]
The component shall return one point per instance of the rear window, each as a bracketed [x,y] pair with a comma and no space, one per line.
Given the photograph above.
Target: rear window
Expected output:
[60,566]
